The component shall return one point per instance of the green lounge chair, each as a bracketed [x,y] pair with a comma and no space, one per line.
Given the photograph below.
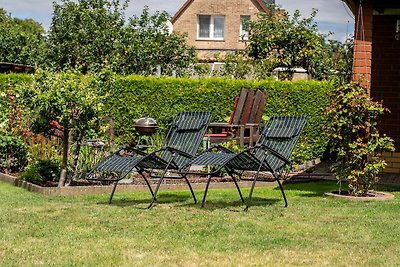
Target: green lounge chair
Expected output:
[270,154]
[181,144]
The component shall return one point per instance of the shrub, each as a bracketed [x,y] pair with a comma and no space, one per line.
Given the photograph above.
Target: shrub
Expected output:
[42,171]
[13,154]
[352,128]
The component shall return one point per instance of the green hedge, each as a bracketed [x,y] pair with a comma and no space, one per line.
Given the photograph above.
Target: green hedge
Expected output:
[161,98]
[133,97]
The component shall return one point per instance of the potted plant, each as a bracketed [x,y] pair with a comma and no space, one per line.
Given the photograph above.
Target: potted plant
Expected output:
[356,142]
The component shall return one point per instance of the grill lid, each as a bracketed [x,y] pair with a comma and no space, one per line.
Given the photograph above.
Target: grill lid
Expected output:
[146,126]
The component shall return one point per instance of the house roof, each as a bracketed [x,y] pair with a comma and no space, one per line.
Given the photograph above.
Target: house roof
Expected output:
[6,67]
[188,2]
[378,5]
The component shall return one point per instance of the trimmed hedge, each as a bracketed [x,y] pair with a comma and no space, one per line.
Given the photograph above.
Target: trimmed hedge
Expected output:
[133,97]
[161,98]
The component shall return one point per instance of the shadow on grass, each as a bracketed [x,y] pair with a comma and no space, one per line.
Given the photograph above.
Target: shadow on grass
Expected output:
[218,204]
[388,188]
[166,198]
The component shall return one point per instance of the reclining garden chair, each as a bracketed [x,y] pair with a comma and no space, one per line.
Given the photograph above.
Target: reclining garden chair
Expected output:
[270,154]
[180,145]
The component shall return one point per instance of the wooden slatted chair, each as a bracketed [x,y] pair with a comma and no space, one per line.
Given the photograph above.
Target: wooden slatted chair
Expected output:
[180,145]
[270,154]
[244,122]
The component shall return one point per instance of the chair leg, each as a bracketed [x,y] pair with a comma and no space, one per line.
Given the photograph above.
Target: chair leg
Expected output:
[113,191]
[251,193]
[191,189]
[154,199]
[159,182]
[253,184]
[148,184]
[283,192]
[205,191]
[231,174]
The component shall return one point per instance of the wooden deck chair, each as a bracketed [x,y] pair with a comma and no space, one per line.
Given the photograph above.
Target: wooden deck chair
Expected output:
[180,145]
[270,154]
[244,121]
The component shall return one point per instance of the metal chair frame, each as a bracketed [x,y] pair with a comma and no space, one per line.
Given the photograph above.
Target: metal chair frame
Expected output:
[181,144]
[266,156]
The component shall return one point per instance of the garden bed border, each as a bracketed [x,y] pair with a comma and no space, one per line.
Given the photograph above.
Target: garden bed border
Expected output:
[102,189]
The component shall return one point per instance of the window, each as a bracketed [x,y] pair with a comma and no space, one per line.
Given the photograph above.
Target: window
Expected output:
[210,27]
[244,27]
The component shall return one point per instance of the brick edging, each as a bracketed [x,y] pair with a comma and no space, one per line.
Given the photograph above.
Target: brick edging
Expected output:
[92,190]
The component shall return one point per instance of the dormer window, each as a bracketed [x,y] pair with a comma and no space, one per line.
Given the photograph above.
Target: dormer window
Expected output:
[210,27]
[244,27]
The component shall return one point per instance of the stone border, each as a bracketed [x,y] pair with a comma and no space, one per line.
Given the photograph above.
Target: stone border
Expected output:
[374,196]
[92,190]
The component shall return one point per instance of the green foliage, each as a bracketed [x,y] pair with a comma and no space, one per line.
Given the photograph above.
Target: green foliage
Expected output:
[21,41]
[42,171]
[147,43]
[67,98]
[352,129]
[92,34]
[132,97]
[282,40]
[13,154]
[342,59]
[85,34]
[233,146]
[286,41]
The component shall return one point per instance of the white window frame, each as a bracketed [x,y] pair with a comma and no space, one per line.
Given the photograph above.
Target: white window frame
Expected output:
[243,34]
[211,29]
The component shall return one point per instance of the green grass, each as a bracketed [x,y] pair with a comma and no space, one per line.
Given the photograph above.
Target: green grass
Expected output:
[36,230]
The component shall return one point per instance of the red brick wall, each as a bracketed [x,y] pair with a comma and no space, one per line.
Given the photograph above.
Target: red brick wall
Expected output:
[385,82]
[363,45]
[231,9]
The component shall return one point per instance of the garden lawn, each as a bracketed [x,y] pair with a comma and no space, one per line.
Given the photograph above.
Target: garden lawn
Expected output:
[37,230]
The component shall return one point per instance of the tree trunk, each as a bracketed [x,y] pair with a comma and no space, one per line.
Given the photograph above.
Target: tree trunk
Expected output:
[73,175]
[64,164]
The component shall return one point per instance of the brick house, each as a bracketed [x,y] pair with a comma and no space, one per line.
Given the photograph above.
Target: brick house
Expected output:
[217,27]
[377,62]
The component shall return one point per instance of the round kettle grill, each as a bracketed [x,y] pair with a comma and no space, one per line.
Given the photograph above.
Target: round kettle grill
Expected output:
[146,126]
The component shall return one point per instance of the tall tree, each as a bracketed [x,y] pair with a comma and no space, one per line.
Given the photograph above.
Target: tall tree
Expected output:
[92,34]
[286,41]
[85,33]
[148,43]
[21,41]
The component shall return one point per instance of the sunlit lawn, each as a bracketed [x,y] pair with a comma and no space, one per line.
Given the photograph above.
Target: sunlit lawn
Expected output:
[36,230]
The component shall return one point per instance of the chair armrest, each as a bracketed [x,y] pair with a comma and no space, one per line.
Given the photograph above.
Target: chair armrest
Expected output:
[220,148]
[129,150]
[273,152]
[174,150]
